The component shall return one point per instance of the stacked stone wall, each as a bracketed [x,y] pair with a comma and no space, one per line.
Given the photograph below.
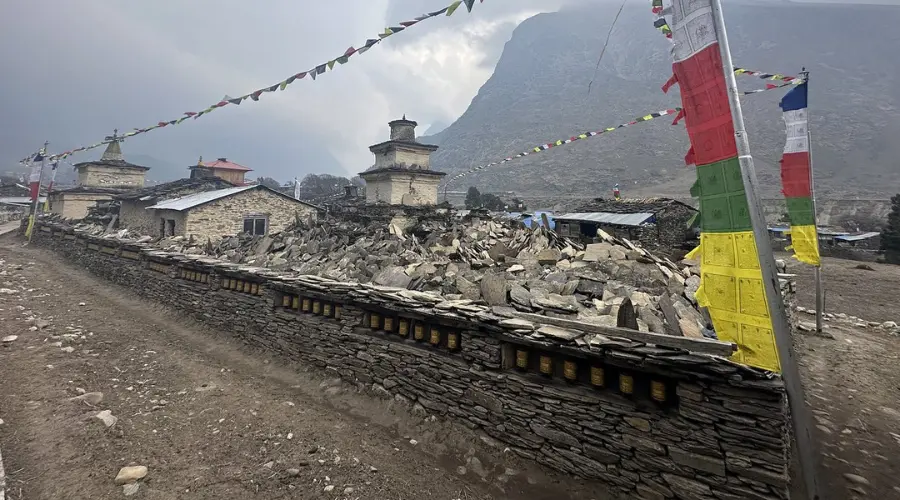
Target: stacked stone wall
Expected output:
[652,422]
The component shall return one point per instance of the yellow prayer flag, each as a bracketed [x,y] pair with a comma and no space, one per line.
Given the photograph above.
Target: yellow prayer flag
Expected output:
[452,8]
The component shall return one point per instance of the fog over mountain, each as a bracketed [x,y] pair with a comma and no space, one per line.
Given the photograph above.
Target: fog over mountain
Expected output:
[539,93]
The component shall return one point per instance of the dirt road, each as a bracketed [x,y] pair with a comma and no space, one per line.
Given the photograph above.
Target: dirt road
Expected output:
[852,379]
[208,417]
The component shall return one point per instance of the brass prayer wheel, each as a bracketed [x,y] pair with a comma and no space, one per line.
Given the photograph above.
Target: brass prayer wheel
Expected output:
[317,307]
[337,312]
[658,391]
[254,289]
[522,359]
[598,376]
[435,338]
[374,321]
[295,303]
[546,365]
[388,324]
[326,310]
[247,286]
[307,305]
[226,283]
[404,327]
[452,341]
[626,383]
[286,301]
[570,370]
[419,331]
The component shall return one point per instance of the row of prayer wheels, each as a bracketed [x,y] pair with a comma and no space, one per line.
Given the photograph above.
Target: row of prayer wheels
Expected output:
[420,332]
[241,286]
[187,274]
[596,375]
[311,306]
[156,266]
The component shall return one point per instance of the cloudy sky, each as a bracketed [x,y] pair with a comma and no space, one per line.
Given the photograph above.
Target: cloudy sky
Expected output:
[76,69]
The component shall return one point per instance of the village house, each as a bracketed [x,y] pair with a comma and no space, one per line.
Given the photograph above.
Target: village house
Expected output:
[254,209]
[133,213]
[221,168]
[98,181]
[402,174]
[655,222]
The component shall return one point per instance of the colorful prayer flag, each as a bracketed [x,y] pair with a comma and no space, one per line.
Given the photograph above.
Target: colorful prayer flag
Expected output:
[731,282]
[795,176]
[34,177]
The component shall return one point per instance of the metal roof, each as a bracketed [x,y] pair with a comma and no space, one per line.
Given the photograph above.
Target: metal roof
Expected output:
[192,200]
[20,200]
[224,164]
[856,237]
[608,218]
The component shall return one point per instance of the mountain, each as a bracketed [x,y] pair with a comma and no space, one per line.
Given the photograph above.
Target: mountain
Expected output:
[539,93]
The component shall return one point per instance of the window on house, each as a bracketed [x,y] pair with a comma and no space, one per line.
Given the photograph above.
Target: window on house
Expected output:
[256,225]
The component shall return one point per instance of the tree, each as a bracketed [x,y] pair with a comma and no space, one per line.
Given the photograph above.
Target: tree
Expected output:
[517,205]
[319,185]
[890,235]
[268,182]
[473,198]
[492,202]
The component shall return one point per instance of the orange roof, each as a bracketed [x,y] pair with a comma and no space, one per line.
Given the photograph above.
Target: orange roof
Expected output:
[224,164]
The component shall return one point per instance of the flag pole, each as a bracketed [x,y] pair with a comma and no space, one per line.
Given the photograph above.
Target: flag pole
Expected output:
[781,329]
[34,206]
[820,290]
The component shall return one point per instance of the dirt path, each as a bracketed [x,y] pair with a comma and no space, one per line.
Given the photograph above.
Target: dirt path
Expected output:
[208,417]
[852,378]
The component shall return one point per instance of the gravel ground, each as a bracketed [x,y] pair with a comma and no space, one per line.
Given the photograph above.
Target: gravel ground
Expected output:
[208,417]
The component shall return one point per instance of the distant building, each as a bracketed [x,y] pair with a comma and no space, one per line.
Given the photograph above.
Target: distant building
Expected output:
[133,213]
[221,168]
[401,174]
[254,209]
[98,181]
[655,222]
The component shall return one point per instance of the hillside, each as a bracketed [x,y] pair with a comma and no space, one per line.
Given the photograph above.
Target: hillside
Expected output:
[539,93]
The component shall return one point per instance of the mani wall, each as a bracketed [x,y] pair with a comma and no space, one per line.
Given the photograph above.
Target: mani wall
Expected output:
[651,420]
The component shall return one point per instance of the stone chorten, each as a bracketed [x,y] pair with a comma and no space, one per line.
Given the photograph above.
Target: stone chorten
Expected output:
[401,174]
[111,171]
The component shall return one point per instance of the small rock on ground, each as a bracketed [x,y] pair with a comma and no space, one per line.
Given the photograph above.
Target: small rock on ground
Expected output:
[131,474]
[854,478]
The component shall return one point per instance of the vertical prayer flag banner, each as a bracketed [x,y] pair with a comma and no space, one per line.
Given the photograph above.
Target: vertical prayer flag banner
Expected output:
[796,180]
[731,282]
[34,178]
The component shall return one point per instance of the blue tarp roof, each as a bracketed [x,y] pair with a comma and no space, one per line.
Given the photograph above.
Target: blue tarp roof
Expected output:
[537,217]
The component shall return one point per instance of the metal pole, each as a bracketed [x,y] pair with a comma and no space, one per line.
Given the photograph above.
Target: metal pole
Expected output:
[820,290]
[781,329]
[37,199]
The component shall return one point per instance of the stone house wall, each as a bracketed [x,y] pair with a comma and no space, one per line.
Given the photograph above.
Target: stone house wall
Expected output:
[75,205]
[133,214]
[225,216]
[401,188]
[162,218]
[721,432]
[670,228]
[235,177]
[110,177]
